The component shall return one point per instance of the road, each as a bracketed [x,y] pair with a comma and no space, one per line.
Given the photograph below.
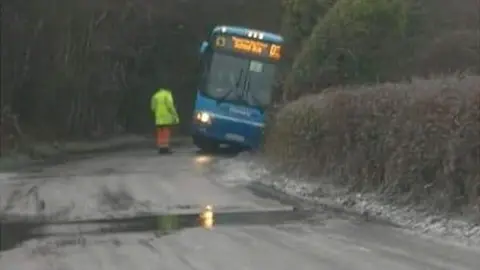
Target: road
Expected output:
[251,232]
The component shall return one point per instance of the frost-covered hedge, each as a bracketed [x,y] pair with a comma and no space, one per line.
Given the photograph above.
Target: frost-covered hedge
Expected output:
[416,141]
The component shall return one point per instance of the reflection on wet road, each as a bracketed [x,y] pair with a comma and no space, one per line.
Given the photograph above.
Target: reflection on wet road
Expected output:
[108,212]
[15,232]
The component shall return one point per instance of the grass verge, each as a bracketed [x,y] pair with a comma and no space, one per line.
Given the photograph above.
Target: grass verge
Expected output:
[39,153]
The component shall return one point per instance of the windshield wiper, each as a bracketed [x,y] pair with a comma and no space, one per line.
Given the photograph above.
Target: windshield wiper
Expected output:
[235,89]
[246,92]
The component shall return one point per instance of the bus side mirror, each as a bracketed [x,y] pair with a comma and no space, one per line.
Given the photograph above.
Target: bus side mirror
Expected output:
[203,47]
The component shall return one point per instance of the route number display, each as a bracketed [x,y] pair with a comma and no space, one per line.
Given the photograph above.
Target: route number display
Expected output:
[248,46]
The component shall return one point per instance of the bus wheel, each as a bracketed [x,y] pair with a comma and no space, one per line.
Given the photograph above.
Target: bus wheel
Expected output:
[205,144]
[237,148]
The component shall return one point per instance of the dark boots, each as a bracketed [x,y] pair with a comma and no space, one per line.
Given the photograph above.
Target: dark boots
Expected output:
[164,150]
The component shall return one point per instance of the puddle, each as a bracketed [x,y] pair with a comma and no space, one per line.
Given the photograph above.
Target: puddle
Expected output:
[14,233]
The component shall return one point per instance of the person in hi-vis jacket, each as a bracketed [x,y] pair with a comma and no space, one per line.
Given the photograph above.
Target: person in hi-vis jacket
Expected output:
[166,116]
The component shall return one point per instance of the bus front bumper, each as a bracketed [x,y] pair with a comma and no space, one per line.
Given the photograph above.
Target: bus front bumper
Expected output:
[228,130]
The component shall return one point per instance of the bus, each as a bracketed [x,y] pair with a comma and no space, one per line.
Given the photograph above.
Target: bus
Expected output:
[235,87]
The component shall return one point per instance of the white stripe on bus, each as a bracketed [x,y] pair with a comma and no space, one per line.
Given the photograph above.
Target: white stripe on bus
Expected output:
[237,120]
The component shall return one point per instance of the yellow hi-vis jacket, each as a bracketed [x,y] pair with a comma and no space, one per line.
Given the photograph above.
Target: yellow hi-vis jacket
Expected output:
[164,109]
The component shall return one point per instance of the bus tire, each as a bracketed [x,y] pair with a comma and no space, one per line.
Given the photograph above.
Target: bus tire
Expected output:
[235,148]
[205,144]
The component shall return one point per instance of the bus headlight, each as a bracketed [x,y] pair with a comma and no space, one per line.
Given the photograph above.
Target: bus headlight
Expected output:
[203,117]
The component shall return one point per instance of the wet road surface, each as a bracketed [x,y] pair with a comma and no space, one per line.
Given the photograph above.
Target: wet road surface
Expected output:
[138,210]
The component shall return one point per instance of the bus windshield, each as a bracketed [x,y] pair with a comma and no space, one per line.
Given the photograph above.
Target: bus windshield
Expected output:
[239,80]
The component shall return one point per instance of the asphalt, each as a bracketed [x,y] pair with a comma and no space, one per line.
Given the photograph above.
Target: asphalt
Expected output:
[138,210]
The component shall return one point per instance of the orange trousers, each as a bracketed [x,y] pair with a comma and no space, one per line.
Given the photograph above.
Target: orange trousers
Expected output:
[163,137]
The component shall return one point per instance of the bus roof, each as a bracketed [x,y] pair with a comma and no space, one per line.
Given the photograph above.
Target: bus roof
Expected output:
[242,31]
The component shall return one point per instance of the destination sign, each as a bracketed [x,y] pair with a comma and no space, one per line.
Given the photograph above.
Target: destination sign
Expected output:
[248,46]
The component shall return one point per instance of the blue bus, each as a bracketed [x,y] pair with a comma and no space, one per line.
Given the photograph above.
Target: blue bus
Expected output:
[235,87]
